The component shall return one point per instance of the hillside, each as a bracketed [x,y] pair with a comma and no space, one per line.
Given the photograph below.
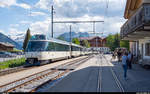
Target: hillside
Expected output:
[4,38]
[66,35]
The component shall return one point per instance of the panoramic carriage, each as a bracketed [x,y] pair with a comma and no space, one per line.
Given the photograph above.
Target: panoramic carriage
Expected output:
[41,50]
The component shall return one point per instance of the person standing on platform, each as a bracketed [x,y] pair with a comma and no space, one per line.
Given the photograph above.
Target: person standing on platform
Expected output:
[124,64]
[130,57]
[119,55]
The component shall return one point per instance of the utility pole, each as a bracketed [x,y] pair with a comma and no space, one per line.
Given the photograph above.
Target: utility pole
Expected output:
[70,35]
[94,33]
[52,9]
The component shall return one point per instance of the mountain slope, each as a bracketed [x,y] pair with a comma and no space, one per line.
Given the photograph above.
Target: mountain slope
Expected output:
[4,38]
[19,38]
[66,35]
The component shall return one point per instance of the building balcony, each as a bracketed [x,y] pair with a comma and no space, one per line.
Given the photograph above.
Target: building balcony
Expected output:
[138,26]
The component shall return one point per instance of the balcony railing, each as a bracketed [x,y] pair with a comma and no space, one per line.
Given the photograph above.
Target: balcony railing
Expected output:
[139,19]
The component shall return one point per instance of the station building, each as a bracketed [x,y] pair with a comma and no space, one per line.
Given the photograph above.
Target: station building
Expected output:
[137,29]
[96,43]
[6,46]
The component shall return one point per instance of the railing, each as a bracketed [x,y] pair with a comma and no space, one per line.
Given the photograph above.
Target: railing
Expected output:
[141,17]
[11,58]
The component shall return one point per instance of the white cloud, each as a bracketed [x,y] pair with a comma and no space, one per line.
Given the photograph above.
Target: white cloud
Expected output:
[25,6]
[14,25]
[1,31]
[25,22]
[8,3]
[37,14]
[40,27]
[14,31]
[44,4]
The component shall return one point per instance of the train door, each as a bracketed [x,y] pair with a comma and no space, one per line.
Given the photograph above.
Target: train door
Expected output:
[70,49]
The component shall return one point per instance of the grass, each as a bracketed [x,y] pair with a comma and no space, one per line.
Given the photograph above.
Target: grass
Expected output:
[12,63]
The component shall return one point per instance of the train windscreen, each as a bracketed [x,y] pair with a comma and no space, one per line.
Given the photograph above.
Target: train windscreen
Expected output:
[36,46]
[38,37]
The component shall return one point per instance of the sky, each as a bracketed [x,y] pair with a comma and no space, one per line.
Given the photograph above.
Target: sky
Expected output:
[16,16]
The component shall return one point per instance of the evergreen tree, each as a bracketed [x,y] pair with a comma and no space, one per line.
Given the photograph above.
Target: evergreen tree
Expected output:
[27,37]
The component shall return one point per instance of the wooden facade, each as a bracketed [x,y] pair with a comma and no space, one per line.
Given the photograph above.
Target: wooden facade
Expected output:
[6,46]
[94,41]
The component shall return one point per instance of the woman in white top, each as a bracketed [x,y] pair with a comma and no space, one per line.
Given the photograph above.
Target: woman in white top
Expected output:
[124,64]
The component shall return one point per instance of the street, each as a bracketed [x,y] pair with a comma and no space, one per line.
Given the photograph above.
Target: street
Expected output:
[100,75]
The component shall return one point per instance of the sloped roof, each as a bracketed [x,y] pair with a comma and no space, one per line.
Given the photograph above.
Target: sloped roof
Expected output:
[89,38]
[6,44]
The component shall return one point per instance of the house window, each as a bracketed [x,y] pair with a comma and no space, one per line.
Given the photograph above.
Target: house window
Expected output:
[147,49]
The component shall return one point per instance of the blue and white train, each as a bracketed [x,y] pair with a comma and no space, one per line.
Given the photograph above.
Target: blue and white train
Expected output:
[41,50]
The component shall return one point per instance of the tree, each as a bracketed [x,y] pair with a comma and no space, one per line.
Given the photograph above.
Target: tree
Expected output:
[76,41]
[124,43]
[110,42]
[86,43]
[27,37]
[114,41]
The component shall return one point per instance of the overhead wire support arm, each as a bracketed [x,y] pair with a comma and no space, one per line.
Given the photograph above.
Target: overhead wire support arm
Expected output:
[77,21]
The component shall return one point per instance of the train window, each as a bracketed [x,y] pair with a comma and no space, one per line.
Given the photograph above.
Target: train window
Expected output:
[38,37]
[36,46]
[61,47]
[51,46]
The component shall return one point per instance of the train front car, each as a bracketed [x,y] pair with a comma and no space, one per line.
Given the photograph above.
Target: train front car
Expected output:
[36,49]
[41,50]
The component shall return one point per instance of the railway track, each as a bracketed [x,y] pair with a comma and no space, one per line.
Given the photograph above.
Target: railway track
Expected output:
[115,76]
[13,70]
[99,85]
[35,81]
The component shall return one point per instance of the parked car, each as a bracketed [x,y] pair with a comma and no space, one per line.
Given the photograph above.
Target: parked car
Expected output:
[6,54]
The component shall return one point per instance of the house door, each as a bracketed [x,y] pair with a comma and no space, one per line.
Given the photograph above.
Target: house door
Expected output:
[142,51]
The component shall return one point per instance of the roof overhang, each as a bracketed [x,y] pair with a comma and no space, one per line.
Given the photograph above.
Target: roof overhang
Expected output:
[131,6]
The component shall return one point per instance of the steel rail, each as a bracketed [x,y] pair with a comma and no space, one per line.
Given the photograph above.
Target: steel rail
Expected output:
[99,87]
[30,81]
[58,76]
[115,77]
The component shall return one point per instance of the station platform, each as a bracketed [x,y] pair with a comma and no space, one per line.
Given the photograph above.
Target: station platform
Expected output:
[85,78]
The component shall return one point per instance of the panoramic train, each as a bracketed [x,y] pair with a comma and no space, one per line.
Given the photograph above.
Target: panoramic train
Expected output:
[41,50]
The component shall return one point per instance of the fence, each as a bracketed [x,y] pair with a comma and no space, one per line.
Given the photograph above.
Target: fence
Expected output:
[11,58]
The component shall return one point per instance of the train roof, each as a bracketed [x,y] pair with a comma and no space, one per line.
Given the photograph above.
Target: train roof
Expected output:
[58,41]
[42,37]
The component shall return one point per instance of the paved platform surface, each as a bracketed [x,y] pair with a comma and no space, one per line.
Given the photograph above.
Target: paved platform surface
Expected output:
[138,78]
[86,78]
